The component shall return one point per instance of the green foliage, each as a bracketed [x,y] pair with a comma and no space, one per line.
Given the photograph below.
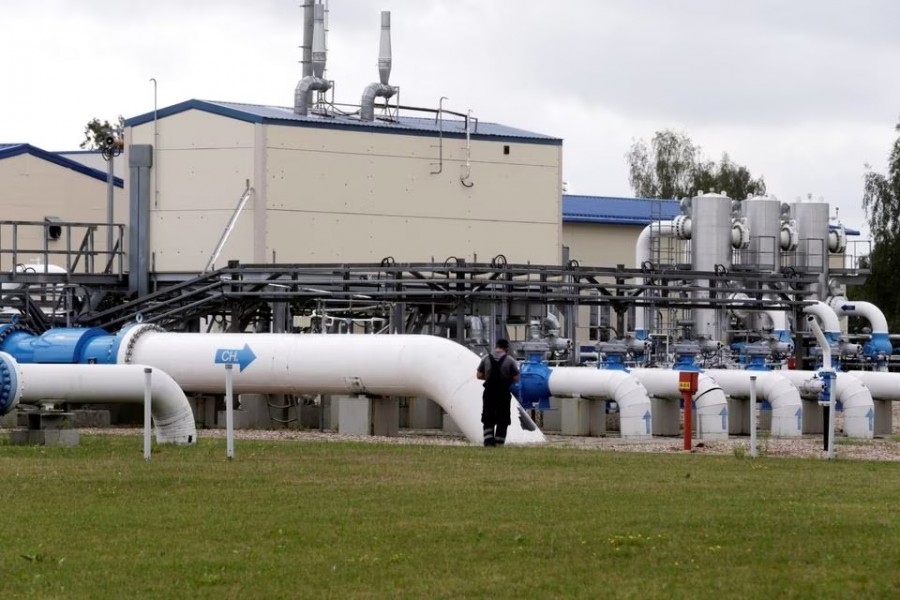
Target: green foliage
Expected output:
[95,131]
[673,167]
[881,201]
[364,520]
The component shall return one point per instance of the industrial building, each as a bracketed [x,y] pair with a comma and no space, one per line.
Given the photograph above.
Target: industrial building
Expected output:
[253,234]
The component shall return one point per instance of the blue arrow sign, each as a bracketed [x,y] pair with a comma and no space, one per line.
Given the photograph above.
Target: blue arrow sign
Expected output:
[646,419]
[242,357]
[799,415]
[724,414]
[871,416]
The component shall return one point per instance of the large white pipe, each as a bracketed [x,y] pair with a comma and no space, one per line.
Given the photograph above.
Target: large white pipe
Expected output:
[376,365]
[829,320]
[867,310]
[787,408]
[642,254]
[710,400]
[107,384]
[634,402]
[823,342]
[850,390]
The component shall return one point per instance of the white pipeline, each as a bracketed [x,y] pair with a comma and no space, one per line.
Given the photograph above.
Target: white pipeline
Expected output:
[377,365]
[709,399]
[842,306]
[632,398]
[827,318]
[851,391]
[109,384]
[787,408]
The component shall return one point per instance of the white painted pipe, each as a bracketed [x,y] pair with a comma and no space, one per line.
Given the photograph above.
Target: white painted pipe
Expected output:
[710,400]
[377,365]
[867,310]
[774,386]
[634,402]
[642,251]
[850,390]
[823,342]
[108,384]
[827,317]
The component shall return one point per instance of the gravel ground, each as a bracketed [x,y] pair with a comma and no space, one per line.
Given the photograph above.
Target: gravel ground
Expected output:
[807,446]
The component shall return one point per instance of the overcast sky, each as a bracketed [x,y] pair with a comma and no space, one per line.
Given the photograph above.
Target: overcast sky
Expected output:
[803,92]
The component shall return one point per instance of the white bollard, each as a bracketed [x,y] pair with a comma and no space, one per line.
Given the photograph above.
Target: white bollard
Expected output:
[148,417]
[753,416]
[229,412]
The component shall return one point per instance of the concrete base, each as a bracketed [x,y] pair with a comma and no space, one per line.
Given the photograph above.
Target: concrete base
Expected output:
[44,437]
[582,416]
[425,414]
[386,416]
[666,416]
[812,417]
[354,415]
[449,425]
[738,416]
[551,420]
[47,428]
[884,418]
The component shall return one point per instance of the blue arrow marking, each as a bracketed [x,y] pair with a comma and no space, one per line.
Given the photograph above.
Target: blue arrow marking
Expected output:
[799,415]
[871,416]
[242,357]
[646,419]
[724,415]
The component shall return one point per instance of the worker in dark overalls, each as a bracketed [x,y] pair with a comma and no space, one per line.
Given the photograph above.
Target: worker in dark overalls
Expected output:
[499,370]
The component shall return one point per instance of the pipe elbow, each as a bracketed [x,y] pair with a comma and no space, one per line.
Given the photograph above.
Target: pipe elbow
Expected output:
[171,411]
[367,103]
[304,88]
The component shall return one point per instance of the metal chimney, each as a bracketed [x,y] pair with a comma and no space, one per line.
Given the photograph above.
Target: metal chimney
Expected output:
[308,17]
[382,89]
[313,82]
[384,48]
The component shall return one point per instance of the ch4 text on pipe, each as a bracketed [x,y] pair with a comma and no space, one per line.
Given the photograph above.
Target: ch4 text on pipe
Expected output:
[235,356]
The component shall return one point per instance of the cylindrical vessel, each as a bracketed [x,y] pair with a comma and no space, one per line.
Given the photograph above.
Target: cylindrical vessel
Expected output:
[763,216]
[710,247]
[812,249]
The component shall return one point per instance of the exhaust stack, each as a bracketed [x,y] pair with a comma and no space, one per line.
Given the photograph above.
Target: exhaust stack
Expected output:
[382,89]
[314,82]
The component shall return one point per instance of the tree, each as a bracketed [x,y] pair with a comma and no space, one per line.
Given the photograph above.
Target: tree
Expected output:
[95,132]
[881,201]
[673,167]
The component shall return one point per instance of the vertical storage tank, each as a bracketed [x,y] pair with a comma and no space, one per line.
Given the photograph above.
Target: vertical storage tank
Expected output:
[710,248]
[763,216]
[812,248]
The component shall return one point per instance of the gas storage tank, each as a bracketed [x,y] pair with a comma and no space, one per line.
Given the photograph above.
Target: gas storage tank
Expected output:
[710,246]
[763,216]
[812,233]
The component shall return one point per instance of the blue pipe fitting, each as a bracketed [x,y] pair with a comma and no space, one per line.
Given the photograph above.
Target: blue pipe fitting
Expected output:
[879,344]
[612,355]
[686,356]
[533,390]
[9,385]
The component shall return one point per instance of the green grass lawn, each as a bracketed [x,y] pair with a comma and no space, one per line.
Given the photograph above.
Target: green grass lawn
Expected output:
[362,520]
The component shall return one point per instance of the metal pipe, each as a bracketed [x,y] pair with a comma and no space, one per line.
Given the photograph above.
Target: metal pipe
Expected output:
[709,398]
[823,342]
[85,383]
[774,386]
[632,397]
[308,19]
[314,82]
[375,365]
[229,227]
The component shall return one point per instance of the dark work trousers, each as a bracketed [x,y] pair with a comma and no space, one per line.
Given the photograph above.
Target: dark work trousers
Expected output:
[495,415]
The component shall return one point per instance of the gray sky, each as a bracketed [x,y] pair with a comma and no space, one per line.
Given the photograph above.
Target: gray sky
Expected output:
[803,92]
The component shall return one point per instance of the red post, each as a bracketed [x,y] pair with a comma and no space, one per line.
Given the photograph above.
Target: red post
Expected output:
[687,384]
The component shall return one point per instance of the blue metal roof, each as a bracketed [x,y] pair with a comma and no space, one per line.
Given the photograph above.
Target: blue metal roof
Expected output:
[617,211]
[10,150]
[279,115]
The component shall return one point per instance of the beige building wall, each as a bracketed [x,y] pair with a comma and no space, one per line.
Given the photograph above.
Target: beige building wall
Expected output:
[34,189]
[331,195]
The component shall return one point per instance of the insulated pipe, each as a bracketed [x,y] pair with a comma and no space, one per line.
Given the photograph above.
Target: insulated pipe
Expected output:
[629,394]
[710,400]
[316,81]
[829,320]
[774,386]
[376,365]
[382,88]
[850,390]
[680,227]
[108,384]
[823,343]
[879,346]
